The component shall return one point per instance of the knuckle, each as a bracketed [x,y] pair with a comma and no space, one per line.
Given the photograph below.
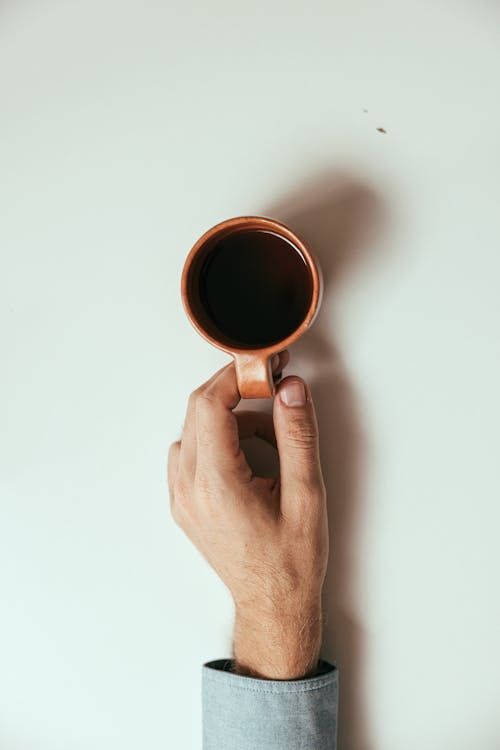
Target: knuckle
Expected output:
[204,401]
[312,486]
[306,494]
[206,486]
[179,492]
[193,397]
[301,434]
[179,503]
[173,452]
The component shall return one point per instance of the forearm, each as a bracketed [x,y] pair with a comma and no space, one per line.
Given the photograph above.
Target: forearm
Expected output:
[283,644]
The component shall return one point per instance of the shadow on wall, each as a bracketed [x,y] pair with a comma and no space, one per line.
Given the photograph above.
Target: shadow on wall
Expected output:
[340,218]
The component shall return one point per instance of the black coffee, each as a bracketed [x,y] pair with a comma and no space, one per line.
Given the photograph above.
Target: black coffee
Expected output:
[255,287]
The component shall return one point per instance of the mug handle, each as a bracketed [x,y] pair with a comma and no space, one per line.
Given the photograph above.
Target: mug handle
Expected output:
[254,375]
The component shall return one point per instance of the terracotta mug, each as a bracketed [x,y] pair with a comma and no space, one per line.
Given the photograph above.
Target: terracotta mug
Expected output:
[253,365]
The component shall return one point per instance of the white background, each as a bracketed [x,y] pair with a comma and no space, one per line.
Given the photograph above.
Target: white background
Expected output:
[126,130]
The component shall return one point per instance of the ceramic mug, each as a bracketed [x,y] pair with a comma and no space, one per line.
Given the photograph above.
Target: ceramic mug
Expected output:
[253,365]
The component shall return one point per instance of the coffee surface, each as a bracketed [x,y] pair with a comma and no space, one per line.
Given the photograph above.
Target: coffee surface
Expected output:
[255,287]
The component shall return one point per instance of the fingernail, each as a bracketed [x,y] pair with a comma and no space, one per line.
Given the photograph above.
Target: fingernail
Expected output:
[275,361]
[293,393]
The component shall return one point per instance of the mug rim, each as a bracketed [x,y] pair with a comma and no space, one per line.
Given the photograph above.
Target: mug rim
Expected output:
[237,223]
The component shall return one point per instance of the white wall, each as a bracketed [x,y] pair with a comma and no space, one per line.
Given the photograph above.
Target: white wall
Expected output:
[127,129]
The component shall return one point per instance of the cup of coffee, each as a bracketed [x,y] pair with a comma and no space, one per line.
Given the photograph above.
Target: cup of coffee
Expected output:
[251,287]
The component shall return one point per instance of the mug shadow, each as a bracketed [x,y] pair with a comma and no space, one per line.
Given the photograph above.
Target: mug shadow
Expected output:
[339,217]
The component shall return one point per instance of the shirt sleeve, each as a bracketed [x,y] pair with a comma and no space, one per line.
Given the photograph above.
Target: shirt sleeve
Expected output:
[244,713]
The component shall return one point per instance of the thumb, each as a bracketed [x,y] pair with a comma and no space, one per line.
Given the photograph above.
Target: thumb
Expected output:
[296,431]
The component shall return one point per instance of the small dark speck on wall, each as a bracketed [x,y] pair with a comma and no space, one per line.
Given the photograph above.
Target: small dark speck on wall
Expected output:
[381,130]
[365,110]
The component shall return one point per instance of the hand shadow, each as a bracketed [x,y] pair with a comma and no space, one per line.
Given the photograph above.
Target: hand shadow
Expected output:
[340,218]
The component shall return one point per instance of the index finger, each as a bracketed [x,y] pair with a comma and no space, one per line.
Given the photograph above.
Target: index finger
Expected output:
[217,437]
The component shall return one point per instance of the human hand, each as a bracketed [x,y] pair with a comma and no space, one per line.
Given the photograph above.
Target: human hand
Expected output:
[267,539]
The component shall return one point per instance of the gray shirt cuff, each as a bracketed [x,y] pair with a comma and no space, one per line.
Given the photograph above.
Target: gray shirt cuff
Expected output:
[244,713]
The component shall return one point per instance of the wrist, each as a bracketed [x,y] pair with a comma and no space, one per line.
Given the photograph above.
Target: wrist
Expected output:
[281,644]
